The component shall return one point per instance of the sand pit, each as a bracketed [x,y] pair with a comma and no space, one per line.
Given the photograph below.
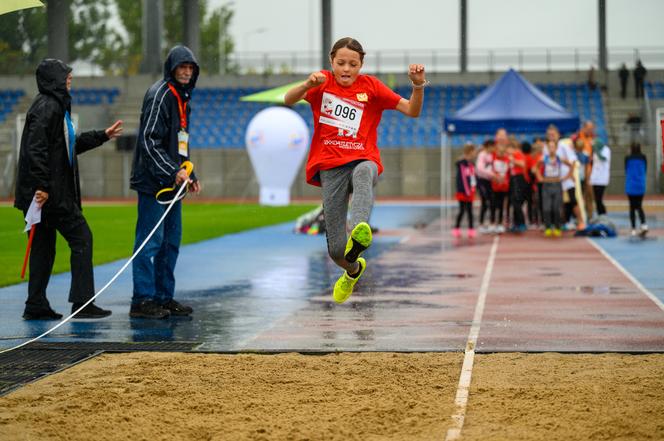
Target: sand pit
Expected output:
[151,396]
[566,397]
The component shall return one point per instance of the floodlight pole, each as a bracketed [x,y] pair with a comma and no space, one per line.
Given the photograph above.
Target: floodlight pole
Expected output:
[57,16]
[603,65]
[191,13]
[326,12]
[463,40]
[152,19]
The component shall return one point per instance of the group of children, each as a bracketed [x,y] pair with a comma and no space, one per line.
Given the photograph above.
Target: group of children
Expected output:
[508,174]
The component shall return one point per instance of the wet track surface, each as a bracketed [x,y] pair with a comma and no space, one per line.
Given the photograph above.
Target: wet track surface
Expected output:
[270,290]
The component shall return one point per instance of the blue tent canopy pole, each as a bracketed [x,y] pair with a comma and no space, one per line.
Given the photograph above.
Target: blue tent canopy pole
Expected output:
[514,104]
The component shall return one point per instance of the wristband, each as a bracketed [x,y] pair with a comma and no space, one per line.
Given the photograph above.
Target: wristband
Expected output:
[419,86]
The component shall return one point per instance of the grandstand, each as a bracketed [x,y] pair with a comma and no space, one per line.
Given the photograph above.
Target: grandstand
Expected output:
[655,90]
[220,119]
[8,100]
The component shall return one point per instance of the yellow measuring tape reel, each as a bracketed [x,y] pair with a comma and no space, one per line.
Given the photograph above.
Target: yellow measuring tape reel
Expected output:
[165,195]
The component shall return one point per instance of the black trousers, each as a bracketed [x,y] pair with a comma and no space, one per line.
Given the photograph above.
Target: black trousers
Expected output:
[497,204]
[636,206]
[465,207]
[486,194]
[569,206]
[76,232]
[598,192]
[638,88]
[517,198]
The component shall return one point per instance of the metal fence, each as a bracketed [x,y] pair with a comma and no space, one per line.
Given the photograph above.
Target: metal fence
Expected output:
[447,60]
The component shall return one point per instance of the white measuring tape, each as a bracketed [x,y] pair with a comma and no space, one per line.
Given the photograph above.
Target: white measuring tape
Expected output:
[120,271]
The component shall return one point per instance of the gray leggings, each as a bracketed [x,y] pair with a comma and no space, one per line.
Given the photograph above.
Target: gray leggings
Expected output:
[552,202]
[358,178]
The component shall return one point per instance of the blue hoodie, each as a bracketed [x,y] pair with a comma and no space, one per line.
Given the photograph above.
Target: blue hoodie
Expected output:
[635,174]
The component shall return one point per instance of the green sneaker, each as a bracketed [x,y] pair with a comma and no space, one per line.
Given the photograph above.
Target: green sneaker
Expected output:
[344,286]
[359,240]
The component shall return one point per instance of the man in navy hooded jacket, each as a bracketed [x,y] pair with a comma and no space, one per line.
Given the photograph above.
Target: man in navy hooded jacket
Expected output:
[48,172]
[161,148]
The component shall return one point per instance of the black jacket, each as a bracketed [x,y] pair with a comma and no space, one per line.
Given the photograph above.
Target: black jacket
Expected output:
[156,157]
[43,162]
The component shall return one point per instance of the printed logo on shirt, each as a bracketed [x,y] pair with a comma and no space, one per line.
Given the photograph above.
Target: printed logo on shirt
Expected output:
[342,113]
[362,97]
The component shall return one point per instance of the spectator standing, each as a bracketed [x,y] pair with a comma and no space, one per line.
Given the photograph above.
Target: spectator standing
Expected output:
[466,182]
[636,166]
[640,73]
[484,170]
[531,184]
[587,136]
[549,171]
[600,175]
[48,174]
[623,74]
[163,145]
[518,186]
[500,184]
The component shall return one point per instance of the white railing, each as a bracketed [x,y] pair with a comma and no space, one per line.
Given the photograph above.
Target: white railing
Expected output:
[447,60]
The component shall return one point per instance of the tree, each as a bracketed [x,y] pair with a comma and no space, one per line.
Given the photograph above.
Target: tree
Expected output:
[23,40]
[130,14]
[24,36]
[216,43]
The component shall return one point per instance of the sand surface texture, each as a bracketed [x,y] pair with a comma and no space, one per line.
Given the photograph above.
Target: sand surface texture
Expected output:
[153,396]
[566,397]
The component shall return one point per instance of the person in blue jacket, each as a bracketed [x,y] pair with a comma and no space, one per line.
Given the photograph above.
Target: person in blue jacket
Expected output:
[636,165]
[162,146]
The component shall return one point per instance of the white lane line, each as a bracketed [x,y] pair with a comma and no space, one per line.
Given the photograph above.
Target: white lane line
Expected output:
[627,274]
[461,400]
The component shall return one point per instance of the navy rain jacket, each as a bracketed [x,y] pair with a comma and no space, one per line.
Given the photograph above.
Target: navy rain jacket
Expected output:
[156,158]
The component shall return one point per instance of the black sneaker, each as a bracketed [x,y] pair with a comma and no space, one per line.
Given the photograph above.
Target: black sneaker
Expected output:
[177,308]
[149,310]
[91,311]
[41,314]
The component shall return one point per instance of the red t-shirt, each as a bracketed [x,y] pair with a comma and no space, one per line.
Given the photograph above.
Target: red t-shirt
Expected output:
[345,122]
[518,155]
[531,161]
[501,170]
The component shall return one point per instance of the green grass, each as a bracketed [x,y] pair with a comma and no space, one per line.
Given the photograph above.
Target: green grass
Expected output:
[113,230]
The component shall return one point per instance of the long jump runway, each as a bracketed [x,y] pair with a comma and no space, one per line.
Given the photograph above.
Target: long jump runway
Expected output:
[562,295]
[270,290]
[510,337]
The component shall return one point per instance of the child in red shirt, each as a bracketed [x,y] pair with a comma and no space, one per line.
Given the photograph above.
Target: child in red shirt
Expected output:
[344,157]
[500,183]
[518,186]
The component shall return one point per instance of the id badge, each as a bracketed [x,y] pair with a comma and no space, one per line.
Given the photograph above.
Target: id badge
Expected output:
[183,143]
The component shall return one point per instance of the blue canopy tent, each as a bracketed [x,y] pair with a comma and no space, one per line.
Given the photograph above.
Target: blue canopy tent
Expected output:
[512,103]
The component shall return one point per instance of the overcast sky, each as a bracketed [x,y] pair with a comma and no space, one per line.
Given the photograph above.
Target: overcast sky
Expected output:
[294,25]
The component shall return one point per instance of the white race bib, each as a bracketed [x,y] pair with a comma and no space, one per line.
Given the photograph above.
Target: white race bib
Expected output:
[342,113]
[552,169]
[500,167]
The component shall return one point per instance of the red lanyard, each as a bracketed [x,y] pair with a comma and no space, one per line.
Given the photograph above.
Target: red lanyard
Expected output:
[182,107]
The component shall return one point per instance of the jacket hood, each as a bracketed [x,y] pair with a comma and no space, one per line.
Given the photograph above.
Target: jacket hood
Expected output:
[179,55]
[52,80]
